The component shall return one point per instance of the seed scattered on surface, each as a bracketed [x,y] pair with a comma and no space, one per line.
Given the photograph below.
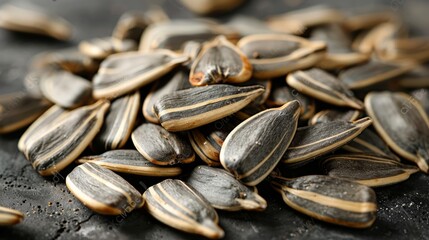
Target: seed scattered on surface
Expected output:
[10,216]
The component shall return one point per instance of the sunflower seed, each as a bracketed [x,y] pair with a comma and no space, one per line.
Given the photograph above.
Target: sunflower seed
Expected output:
[313,141]
[131,162]
[266,83]
[220,61]
[367,19]
[172,82]
[19,109]
[29,18]
[330,115]
[403,125]
[118,123]
[191,108]
[246,25]
[65,89]
[416,78]
[223,191]
[131,26]
[373,72]
[369,142]
[323,86]
[422,95]
[160,146]
[291,53]
[370,170]
[191,49]
[253,149]
[413,49]
[122,73]
[180,206]
[64,141]
[100,48]
[102,190]
[330,199]
[33,79]
[205,7]
[10,216]
[173,34]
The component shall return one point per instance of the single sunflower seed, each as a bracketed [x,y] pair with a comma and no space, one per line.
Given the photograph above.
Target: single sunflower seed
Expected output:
[253,149]
[367,169]
[131,162]
[416,78]
[330,115]
[412,49]
[223,191]
[179,206]
[220,61]
[118,123]
[101,48]
[330,199]
[102,190]
[64,141]
[10,216]
[131,26]
[160,146]
[34,77]
[194,107]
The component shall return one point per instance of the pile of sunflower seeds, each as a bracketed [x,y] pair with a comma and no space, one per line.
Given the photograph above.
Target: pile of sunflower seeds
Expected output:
[248,100]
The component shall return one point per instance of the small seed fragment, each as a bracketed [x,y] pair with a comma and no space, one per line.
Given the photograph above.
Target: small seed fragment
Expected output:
[329,199]
[223,191]
[160,146]
[179,206]
[330,115]
[131,162]
[102,190]
[10,216]
[100,48]
[253,149]
[191,108]
[367,169]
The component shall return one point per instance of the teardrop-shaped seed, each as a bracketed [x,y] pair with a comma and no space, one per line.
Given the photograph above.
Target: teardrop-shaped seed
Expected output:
[291,53]
[330,199]
[10,216]
[313,141]
[19,109]
[402,123]
[66,90]
[102,190]
[172,82]
[323,86]
[369,142]
[370,170]
[253,149]
[372,73]
[64,141]
[206,7]
[118,123]
[100,48]
[191,108]
[220,61]
[122,73]
[160,146]
[223,191]
[180,206]
[131,162]
[330,115]
[130,26]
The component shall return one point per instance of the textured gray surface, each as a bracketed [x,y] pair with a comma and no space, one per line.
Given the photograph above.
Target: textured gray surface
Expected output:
[52,213]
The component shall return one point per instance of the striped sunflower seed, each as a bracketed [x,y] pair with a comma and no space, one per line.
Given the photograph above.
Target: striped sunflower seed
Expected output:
[330,115]
[122,73]
[161,147]
[403,125]
[101,48]
[205,7]
[220,61]
[191,49]
[34,77]
[19,109]
[324,87]
[131,162]
[330,199]
[172,82]
[10,216]
[118,123]
[367,169]
[416,78]
[63,142]
[131,26]
[191,108]
[314,141]
[66,90]
[291,53]
[265,83]
[36,21]
[102,190]
[253,149]
[179,206]
[223,191]
[413,49]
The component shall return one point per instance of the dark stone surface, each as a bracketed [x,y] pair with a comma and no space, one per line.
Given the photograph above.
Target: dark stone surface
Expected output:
[51,212]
